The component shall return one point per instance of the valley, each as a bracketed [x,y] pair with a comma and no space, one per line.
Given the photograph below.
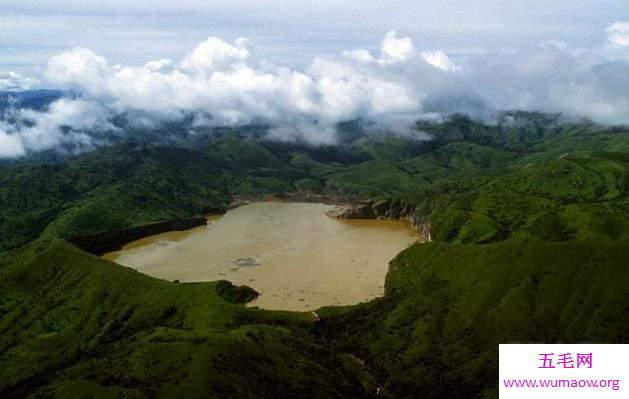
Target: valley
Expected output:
[528,220]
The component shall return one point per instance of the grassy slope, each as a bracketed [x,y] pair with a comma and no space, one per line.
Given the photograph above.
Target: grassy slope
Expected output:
[572,198]
[126,186]
[114,188]
[447,307]
[71,323]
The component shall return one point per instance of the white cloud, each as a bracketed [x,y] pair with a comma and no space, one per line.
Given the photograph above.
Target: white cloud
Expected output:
[217,78]
[218,83]
[77,114]
[159,65]
[598,93]
[69,125]
[394,49]
[214,54]
[359,55]
[79,68]
[440,60]
[10,145]
[307,132]
[618,34]
[14,81]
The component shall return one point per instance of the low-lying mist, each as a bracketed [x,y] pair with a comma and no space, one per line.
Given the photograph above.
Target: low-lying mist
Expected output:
[217,85]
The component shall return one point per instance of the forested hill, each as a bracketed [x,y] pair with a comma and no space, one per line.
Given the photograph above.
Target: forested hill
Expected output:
[529,218]
[530,176]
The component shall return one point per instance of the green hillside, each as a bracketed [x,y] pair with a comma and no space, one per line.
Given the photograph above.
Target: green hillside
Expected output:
[73,325]
[529,217]
[447,307]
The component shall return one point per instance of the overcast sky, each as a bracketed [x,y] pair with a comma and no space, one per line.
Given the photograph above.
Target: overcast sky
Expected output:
[290,32]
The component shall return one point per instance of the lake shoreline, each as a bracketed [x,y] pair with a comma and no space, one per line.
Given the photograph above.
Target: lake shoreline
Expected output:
[346,207]
[113,240]
[293,253]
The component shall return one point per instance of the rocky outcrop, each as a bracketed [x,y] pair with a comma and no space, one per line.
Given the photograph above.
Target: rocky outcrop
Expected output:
[108,241]
[422,227]
[384,209]
[235,294]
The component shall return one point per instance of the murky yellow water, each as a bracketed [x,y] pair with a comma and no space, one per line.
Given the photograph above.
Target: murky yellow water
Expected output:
[294,255]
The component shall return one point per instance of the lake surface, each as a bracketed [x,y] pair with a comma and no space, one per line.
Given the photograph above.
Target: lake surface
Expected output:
[293,254]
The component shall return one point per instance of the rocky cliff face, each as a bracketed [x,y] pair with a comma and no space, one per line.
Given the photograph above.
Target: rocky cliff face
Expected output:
[384,209]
